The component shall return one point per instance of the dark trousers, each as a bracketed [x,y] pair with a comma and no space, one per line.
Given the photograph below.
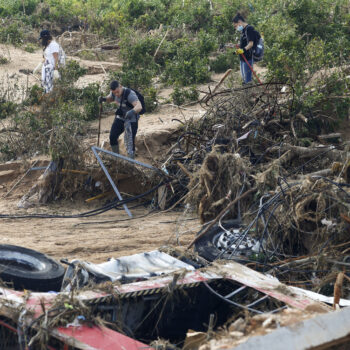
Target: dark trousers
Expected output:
[118,128]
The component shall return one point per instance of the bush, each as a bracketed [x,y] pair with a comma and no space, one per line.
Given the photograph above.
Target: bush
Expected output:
[16,7]
[35,95]
[30,48]
[195,14]
[71,72]
[151,101]
[3,60]
[181,95]
[223,62]
[89,99]
[135,78]
[137,49]
[7,108]
[187,68]
[11,33]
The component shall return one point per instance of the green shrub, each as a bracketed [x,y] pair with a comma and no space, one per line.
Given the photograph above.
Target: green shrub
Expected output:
[4,60]
[30,48]
[151,100]
[136,78]
[71,72]
[89,99]
[15,7]
[195,14]
[188,66]
[181,95]
[34,96]
[223,62]
[11,33]
[7,108]
[137,49]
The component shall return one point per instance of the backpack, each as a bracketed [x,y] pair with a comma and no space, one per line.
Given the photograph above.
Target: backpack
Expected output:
[61,57]
[258,47]
[139,96]
[258,50]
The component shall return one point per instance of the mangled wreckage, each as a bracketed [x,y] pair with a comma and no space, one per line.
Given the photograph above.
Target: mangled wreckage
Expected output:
[145,297]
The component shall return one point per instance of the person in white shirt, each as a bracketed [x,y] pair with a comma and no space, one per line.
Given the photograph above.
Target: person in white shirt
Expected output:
[49,70]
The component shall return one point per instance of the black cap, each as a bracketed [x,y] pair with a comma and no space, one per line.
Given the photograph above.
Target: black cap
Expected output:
[114,85]
[44,34]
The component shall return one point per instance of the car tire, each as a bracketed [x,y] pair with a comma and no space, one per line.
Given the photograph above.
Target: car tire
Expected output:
[205,246]
[29,269]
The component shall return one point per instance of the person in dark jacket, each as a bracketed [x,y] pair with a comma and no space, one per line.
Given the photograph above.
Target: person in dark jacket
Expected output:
[247,40]
[126,118]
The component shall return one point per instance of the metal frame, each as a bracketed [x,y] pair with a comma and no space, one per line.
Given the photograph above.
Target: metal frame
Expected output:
[95,150]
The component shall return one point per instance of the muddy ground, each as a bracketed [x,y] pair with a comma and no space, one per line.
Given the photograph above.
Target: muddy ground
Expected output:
[111,234]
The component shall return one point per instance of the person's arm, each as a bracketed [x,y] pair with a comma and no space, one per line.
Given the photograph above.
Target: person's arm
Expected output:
[55,56]
[110,99]
[249,46]
[135,102]
[137,106]
[250,35]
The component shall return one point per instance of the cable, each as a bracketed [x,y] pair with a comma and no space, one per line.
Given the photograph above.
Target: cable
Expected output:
[93,212]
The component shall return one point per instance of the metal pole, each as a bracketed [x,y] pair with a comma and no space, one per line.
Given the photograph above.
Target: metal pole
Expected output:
[99,125]
[94,149]
[117,155]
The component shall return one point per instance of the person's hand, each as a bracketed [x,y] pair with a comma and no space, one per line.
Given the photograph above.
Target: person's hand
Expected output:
[101,99]
[56,74]
[130,114]
[239,51]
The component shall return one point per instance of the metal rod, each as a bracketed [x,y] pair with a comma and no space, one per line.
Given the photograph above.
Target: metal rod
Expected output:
[258,301]
[94,149]
[117,155]
[235,292]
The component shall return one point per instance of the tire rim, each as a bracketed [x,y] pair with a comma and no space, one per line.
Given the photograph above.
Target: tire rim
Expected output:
[230,242]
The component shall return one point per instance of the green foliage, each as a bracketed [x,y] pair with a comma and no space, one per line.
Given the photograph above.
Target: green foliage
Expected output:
[137,49]
[30,48]
[66,125]
[189,66]
[11,33]
[302,37]
[4,60]
[71,72]
[34,95]
[14,7]
[223,62]
[89,99]
[181,95]
[151,101]
[195,14]
[7,108]
[136,78]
